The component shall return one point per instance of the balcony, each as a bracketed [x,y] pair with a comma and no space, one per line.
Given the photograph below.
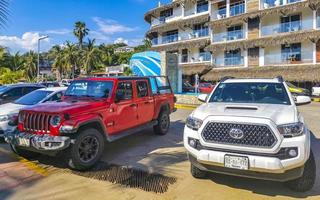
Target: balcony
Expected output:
[220,14]
[286,27]
[170,38]
[201,57]
[228,36]
[237,9]
[318,20]
[229,62]
[155,41]
[286,59]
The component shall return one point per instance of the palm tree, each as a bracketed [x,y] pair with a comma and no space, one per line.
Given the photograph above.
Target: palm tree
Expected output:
[80,31]
[70,57]
[107,56]
[57,55]
[15,62]
[91,56]
[30,65]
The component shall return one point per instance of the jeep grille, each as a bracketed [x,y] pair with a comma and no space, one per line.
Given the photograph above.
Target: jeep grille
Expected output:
[253,135]
[37,123]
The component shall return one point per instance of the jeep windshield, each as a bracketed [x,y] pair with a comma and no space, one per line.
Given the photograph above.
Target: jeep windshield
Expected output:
[264,93]
[87,88]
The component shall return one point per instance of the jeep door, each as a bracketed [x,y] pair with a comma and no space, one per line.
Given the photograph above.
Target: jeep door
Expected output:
[145,101]
[126,115]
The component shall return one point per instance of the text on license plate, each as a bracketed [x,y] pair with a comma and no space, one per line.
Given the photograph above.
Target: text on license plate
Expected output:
[236,162]
[25,142]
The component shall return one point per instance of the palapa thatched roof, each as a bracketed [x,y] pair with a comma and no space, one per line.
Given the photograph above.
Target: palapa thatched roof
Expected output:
[282,10]
[299,73]
[273,40]
[195,68]
[182,24]
[184,44]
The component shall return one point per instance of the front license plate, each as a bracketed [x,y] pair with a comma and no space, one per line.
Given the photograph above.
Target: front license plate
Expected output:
[24,142]
[236,162]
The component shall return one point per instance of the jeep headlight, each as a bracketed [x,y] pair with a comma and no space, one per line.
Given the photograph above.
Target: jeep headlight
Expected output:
[55,121]
[193,123]
[293,130]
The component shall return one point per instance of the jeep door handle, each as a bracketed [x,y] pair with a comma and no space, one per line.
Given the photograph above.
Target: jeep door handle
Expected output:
[133,105]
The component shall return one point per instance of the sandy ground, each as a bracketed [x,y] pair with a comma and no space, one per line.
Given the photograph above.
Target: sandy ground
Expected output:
[165,155]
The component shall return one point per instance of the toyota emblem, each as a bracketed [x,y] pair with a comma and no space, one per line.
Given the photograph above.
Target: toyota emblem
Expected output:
[236,133]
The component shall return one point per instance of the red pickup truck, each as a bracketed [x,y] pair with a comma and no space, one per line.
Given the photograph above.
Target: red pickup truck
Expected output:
[93,111]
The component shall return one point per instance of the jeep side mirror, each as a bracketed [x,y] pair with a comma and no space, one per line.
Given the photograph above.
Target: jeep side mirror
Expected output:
[302,100]
[203,97]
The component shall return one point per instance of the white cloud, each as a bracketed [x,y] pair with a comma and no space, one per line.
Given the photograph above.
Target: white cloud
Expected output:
[99,35]
[110,27]
[120,40]
[28,41]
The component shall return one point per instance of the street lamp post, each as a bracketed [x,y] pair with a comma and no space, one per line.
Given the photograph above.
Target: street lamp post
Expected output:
[38,67]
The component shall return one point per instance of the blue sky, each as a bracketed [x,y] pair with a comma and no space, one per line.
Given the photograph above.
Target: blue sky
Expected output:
[108,20]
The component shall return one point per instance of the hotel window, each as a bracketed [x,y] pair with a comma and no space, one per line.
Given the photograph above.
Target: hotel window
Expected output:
[165,14]
[184,56]
[170,36]
[237,8]
[290,23]
[233,57]
[222,10]
[202,6]
[200,30]
[291,52]
[272,3]
[318,18]
[204,55]
[235,32]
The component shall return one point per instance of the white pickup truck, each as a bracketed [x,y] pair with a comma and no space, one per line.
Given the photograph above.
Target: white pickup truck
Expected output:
[316,90]
[251,128]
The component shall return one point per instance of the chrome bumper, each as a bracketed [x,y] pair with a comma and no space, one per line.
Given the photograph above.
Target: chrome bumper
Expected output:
[39,142]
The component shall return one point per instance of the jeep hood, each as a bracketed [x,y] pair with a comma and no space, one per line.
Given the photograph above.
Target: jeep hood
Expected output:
[279,114]
[69,107]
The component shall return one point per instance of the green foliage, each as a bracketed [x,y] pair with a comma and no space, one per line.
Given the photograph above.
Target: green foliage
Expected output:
[7,76]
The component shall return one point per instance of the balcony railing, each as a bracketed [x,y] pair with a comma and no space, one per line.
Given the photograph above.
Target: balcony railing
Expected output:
[170,38]
[237,9]
[201,57]
[294,1]
[229,62]
[286,27]
[228,36]
[318,20]
[202,8]
[201,32]
[220,14]
[286,58]
[155,41]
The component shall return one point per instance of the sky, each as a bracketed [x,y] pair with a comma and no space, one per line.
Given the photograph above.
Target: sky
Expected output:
[109,21]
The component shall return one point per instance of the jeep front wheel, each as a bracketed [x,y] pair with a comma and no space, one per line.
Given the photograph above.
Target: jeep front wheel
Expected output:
[163,125]
[307,180]
[86,151]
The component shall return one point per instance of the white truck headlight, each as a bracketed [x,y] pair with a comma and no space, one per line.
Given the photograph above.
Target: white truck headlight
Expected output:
[193,123]
[293,130]
[55,121]
[4,118]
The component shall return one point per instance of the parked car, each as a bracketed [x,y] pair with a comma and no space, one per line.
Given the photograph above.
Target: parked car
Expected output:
[51,84]
[10,93]
[187,87]
[206,88]
[298,90]
[316,90]
[10,110]
[65,82]
[251,128]
[93,111]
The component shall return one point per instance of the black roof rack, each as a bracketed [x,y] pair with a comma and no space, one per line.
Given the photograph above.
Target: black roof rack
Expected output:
[226,78]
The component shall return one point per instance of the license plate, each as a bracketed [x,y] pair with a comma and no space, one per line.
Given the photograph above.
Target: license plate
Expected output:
[236,162]
[24,142]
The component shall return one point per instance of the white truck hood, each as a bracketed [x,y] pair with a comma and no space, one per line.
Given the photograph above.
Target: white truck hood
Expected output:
[279,114]
[10,108]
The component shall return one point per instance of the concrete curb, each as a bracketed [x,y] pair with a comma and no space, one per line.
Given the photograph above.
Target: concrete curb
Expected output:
[186,106]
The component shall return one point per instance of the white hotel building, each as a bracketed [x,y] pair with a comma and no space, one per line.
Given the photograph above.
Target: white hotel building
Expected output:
[240,38]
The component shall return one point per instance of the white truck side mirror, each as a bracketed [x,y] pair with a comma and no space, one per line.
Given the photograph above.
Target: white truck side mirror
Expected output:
[203,97]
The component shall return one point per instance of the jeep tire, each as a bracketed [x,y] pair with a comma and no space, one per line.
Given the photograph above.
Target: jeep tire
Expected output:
[307,180]
[197,173]
[163,124]
[24,153]
[86,151]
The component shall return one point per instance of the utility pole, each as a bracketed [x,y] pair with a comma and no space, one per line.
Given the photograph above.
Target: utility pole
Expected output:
[38,67]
